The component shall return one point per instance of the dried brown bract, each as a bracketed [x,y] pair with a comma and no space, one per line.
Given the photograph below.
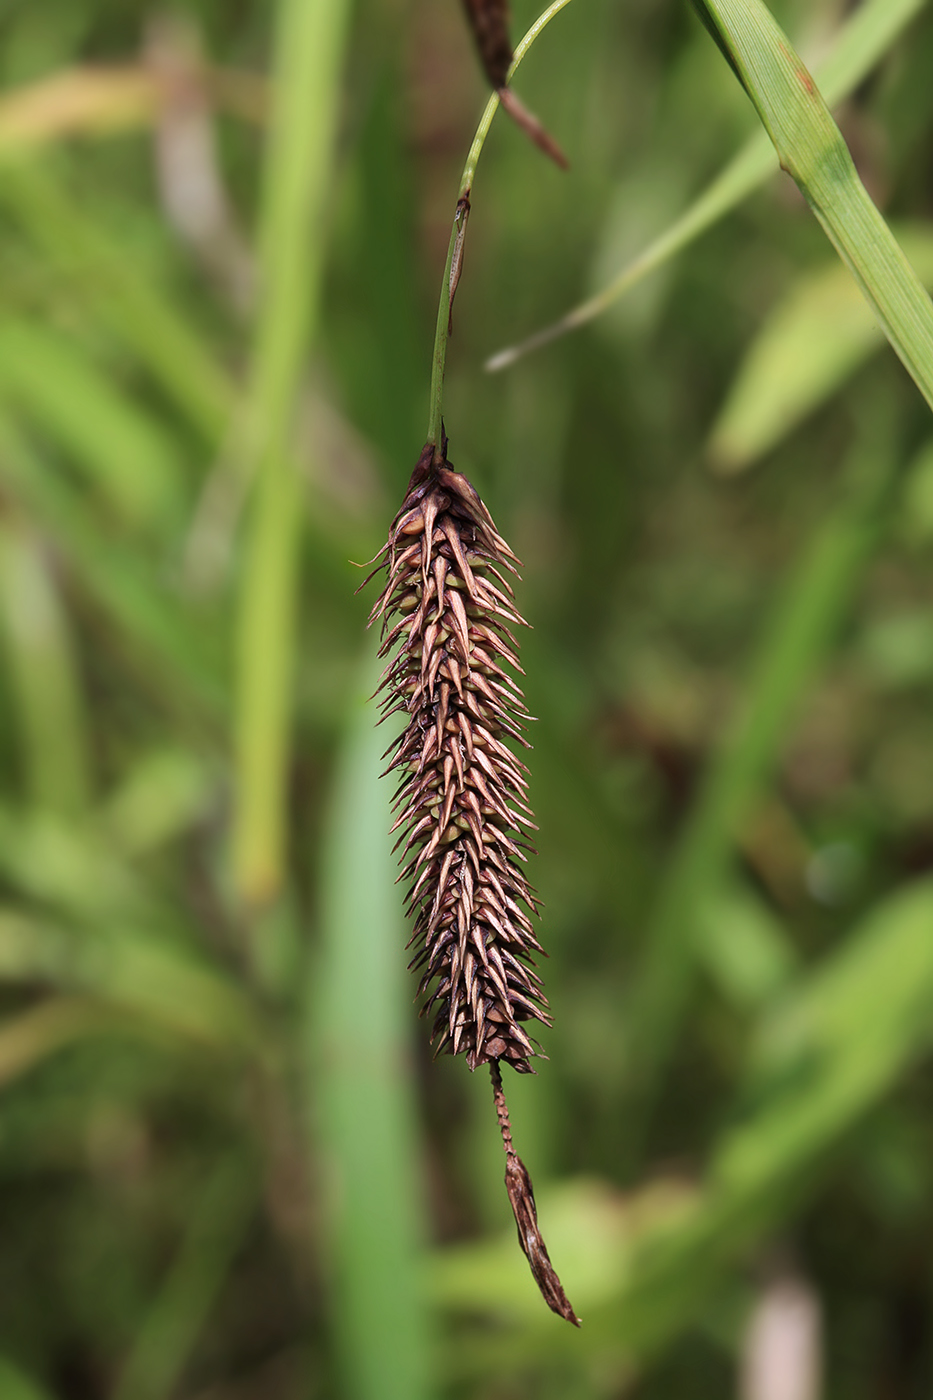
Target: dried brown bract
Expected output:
[489,21]
[448,611]
[522,1198]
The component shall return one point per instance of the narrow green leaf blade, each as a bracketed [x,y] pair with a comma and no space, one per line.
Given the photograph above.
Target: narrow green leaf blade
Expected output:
[123,452]
[836,1044]
[817,336]
[651,1260]
[169,1332]
[862,40]
[139,315]
[791,647]
[811,149]
[43,673]
[362,1078]
[126,587]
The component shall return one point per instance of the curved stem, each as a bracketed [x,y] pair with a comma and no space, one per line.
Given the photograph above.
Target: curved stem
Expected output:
[502,1108]
[458,231]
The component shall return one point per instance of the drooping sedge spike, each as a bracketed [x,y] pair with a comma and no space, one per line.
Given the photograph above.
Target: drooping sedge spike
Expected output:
[447,610]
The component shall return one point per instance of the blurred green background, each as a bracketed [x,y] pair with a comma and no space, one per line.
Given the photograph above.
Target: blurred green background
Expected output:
[229,1169]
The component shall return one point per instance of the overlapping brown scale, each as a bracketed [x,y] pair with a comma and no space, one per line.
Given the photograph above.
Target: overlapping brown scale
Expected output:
[462,816]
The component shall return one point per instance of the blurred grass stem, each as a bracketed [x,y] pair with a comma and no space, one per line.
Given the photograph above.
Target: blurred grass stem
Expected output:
[169,1332]
[46,682]
[364,1130]
[86,256]
[306,99]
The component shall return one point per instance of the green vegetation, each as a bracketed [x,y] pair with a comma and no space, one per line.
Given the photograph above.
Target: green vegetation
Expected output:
[230,1170]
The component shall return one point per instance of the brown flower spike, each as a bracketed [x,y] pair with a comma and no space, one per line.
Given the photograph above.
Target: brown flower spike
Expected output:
[447,611]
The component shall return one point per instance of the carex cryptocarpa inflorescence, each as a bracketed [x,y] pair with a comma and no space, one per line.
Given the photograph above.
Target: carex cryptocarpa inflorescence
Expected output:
[448,614]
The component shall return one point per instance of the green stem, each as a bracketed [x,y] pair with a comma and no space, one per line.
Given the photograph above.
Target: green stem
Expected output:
[442,331]
[308,67]
[457,232]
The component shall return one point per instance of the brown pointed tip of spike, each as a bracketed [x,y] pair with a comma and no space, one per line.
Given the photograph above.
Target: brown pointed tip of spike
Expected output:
[522,1198]
[532,127]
